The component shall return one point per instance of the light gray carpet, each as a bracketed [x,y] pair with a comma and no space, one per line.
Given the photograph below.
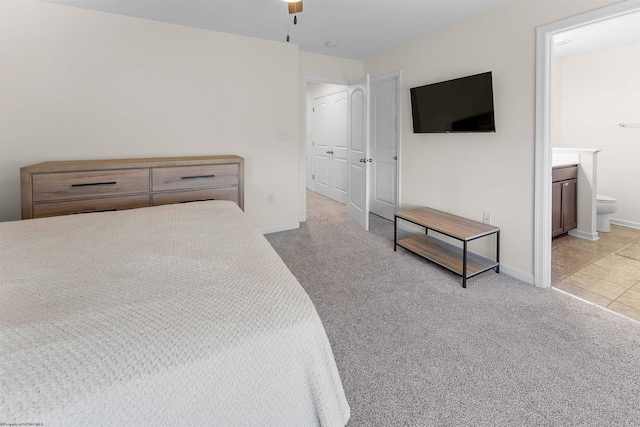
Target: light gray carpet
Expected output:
[416,349]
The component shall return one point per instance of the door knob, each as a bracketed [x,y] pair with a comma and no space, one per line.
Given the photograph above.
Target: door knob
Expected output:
[328,152]
[331,151]
[371,160]
[362,160]
[395,157]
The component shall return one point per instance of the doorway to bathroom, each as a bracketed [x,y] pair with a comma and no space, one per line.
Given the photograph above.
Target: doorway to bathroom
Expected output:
[592,74]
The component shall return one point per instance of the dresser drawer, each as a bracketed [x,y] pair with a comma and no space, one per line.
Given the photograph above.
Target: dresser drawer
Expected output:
[194,177]
[90,205]
[225,193]
[75,185]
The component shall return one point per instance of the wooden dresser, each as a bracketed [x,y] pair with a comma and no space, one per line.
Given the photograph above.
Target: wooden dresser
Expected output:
[68,187]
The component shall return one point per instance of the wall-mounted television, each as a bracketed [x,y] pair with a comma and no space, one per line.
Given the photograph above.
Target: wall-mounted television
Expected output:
[459,105]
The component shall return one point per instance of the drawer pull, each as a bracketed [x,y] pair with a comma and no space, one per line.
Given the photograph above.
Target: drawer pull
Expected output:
[94,183]
[197,176]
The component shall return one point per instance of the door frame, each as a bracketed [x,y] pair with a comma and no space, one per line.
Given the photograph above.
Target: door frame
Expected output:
[302,214]
[397,75]
[542,190]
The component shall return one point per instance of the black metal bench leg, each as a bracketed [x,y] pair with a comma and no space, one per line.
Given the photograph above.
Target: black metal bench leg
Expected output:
[464,265]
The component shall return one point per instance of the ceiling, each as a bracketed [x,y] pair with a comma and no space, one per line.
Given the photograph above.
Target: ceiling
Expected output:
[361,28]
[607,34]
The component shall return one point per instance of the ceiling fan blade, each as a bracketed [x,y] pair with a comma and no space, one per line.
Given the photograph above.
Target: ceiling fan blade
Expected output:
[295,7]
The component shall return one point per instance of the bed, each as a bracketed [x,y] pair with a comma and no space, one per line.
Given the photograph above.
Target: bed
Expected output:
[179,314]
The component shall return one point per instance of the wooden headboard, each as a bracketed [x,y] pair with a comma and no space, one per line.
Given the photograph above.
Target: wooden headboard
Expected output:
[68,187]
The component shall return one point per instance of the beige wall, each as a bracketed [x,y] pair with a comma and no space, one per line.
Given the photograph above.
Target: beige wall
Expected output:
[328,67]
[468,174]
[80,84]
[599,90]
[84,84]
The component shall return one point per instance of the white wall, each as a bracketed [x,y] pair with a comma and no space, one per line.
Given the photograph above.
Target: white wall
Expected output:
[81,84]
[475,173]
[599,90]
[328,67]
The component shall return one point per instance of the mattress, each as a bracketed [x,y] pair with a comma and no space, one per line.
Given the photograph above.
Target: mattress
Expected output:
[169,315]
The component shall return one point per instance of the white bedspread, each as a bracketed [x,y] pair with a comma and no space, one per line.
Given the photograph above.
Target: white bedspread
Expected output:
[172,315]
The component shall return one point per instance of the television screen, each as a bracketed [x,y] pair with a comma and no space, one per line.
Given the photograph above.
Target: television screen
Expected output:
[459,105]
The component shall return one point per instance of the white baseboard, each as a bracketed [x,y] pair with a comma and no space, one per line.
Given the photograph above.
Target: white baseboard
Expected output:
[520,275]
[624,223]
[584,235]
[277,228]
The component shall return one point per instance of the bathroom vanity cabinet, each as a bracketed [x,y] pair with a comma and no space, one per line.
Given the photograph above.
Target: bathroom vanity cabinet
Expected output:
[564,216]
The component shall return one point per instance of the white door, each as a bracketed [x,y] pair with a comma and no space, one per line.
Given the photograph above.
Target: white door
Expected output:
[322,147]
[358,150]
[384,143]
[330,145]
[339,150]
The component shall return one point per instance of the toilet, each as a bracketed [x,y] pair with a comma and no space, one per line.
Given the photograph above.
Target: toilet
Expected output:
[605,206]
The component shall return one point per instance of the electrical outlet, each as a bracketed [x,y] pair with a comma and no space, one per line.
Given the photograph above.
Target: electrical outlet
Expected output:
[486,218]
[271,198]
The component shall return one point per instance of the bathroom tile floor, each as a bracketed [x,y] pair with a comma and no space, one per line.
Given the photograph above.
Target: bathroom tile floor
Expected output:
[605,272]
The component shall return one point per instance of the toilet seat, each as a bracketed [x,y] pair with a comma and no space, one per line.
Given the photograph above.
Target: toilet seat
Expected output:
[605,199]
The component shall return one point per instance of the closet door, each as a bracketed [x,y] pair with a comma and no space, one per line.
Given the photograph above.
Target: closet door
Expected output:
[330,146]
[322,147]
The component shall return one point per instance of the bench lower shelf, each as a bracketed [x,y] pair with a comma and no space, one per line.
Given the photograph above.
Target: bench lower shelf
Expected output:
[447,255]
